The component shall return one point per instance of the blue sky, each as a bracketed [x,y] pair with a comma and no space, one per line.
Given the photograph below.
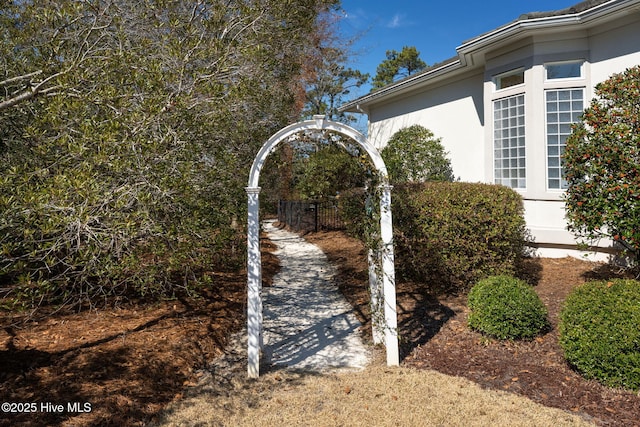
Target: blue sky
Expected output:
[435,28]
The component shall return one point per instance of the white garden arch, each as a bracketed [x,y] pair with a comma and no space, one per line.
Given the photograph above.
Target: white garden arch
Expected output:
[384,315]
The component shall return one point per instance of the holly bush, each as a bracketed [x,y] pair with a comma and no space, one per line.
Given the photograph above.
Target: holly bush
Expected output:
[602,165]
[448,234]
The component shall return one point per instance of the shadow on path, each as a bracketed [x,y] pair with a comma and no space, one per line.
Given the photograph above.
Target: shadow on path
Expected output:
[307,322]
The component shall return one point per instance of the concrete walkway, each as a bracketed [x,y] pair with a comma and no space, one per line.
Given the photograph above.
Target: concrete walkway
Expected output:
[307,322]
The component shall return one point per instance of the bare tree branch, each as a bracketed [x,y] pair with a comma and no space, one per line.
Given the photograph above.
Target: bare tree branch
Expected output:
[12,80]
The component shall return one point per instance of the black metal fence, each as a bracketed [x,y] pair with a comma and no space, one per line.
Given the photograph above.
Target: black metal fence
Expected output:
[305,216]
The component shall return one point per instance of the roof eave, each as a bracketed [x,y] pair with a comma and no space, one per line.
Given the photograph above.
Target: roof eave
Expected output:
[469,49]
[401,86]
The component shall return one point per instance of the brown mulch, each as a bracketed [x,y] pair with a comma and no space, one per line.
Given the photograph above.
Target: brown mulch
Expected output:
[131,361]
[434,335]
[127,362]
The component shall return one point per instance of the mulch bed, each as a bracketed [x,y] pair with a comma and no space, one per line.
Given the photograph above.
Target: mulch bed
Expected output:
[434,335]
[130,361]
[127,361]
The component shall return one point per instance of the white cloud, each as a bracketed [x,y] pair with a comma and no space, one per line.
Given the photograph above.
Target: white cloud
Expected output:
[396,21]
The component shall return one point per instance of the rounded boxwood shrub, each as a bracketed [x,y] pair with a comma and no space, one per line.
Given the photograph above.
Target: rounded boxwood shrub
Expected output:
[506,308]
[600,332]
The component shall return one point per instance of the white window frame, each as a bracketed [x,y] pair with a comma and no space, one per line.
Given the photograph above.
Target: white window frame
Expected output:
[498,77]
[562,131]
[557,85]
[515,130]
[561,79]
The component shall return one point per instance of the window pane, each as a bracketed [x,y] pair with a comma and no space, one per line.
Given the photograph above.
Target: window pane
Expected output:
[564,70]
[569,102]
[577,94]
[508,80]
[509,142]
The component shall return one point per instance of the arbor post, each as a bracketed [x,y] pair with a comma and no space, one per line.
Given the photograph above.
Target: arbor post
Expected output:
[254,283]
[388,277]
[377,301]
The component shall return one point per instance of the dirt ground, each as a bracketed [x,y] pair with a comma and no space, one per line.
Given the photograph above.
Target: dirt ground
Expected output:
[131,361]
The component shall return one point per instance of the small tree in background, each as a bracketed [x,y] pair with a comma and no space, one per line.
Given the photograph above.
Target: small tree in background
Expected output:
[397,66]
[413,154]
[602,165]
[332,82]
[331,166]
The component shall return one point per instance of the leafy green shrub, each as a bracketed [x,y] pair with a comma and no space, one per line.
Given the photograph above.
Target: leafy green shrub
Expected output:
[600,332]
[601,165]
[329,170]
[506,308]
[414,154]
[120,174]
[454,234]
[450,234]
[355,213]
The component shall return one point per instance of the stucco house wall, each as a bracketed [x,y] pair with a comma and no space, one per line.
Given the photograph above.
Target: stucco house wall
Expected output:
[459,101]
[453,111]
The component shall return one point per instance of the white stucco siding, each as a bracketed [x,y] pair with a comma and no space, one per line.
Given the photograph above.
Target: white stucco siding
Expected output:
[457,103]
[548,228]
[546,221]
[605,51]
[453,112]
[616,49]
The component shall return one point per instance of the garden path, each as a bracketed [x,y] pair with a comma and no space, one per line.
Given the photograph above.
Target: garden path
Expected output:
[307,322]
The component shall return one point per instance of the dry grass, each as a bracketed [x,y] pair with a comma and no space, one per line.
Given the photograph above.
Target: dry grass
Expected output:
[377,396]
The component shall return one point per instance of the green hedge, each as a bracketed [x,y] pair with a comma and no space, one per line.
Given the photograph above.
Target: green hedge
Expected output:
[450,234]
[506,308]
[600,332]
[457,233]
